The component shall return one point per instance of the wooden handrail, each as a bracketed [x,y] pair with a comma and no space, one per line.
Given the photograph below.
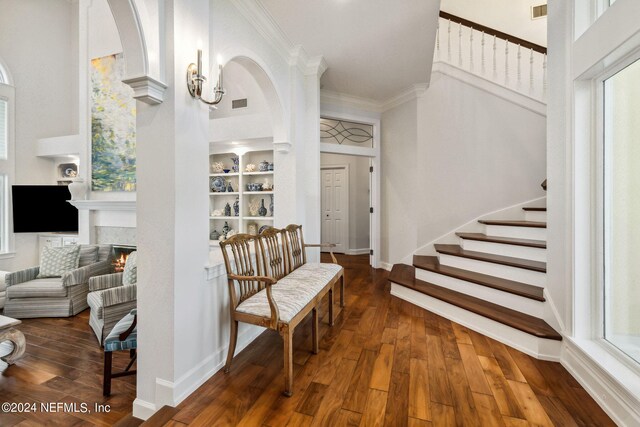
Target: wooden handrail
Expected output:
[493,32]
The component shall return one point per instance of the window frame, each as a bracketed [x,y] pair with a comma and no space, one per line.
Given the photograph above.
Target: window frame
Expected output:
[7,169]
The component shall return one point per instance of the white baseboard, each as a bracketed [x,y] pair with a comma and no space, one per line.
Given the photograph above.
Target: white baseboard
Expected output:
[143,409]
[539,348]
[173,393]
[386,265]
[362,251]
[620,402]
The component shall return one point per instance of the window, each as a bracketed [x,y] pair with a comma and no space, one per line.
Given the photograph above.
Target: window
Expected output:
[621,211]
[6,164]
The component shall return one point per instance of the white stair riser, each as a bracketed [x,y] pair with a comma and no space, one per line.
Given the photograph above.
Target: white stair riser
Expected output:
[505,299]
[532,233]
[515,251]
[506,272]
[538,216]
[536,347]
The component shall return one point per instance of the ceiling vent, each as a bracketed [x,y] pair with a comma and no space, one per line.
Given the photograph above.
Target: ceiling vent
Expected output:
[538,11]
[239,103]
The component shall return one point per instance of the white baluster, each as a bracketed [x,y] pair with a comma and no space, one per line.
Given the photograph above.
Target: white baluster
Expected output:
[495,68]
[519,66]
[449,41]
[482,54]
[459,44]
[471,49]
[506,61]
[531,70]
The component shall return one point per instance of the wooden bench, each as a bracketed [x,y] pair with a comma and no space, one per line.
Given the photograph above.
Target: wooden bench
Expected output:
[271,284]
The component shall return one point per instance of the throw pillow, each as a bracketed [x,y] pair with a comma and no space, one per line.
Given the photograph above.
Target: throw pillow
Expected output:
[54,262]
[130,274]
[88,255]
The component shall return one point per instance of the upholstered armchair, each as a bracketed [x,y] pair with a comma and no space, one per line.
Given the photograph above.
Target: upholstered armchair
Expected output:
[111,297]
[63,296]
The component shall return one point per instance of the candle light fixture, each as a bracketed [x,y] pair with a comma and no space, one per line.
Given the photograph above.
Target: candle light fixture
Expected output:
[195,81]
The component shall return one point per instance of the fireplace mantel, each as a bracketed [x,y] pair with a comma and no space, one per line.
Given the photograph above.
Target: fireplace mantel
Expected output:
[104,205]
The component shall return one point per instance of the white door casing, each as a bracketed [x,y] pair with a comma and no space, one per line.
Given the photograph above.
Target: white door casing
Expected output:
[335,207]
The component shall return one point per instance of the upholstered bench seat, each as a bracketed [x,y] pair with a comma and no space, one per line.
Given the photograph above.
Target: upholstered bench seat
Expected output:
[293,292]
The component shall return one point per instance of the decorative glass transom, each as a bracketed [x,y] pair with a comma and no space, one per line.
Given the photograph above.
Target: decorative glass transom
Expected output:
[346,133]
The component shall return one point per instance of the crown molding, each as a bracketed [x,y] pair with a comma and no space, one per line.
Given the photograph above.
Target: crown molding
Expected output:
[413,92]
[345,100]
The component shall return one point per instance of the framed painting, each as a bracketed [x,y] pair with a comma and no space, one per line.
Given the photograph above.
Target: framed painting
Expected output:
[113,127]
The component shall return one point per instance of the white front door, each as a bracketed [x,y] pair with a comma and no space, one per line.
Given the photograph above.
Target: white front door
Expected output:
[335,207]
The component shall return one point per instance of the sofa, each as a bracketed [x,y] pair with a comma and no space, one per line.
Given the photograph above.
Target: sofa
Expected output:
[29,295]
[112,297]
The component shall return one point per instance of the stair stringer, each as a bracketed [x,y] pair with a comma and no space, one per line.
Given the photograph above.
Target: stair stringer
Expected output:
[540,348]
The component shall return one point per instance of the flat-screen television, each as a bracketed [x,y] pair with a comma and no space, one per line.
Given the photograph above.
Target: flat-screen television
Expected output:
[43,208]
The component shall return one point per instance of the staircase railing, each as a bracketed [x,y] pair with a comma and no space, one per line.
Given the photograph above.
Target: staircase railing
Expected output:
[494,55]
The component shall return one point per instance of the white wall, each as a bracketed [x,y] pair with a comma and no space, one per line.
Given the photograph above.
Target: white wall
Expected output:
[509,16]
[358,196]
[38,43]
[103,33]
[473,153]
[399,222]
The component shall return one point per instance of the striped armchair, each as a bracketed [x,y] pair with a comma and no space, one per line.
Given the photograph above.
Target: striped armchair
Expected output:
[110,299]
[28,296]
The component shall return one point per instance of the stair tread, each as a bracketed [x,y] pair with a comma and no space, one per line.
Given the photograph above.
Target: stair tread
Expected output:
[506,240]
[404,275]
[456,250]
[534,209]
[514,223]
[430,263]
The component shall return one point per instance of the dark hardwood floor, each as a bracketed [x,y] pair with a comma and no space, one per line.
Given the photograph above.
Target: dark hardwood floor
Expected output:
[385,362]
[63,363]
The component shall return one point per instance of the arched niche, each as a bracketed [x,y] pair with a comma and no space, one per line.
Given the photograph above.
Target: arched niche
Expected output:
[257,69]
[5,74]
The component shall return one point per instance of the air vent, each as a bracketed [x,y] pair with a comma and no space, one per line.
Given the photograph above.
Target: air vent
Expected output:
[239,103]
[538,11]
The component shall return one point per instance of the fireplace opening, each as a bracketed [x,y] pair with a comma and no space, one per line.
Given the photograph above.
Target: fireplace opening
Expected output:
[121,253]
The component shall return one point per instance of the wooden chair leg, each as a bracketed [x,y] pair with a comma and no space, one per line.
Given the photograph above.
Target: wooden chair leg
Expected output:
[233,338]
[331,307]
[342,291]
[106,380]
[314,331]
[287,336]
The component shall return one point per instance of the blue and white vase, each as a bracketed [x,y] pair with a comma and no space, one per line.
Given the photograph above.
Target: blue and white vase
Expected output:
[271,206]
[225,229]
[227,210]
[236,207]
[262,211]
[236,164]
[229,188]
[263,166]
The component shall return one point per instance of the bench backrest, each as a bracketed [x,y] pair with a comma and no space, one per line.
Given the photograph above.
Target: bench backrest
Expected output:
[295,246]
[241,258]
[274,253]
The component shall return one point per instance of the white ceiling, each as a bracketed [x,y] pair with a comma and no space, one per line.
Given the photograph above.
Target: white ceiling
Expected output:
[374,49]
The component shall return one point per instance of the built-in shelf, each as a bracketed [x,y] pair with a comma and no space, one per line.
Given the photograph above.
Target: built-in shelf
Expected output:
[258,173]
[259,218]
[224,174]
[224,217]
[258,192]
[59,146]
[224,193]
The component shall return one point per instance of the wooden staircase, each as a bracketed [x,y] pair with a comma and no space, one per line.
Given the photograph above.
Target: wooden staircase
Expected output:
[492,281]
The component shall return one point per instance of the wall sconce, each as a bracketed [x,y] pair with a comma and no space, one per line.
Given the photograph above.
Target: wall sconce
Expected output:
[195,80]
